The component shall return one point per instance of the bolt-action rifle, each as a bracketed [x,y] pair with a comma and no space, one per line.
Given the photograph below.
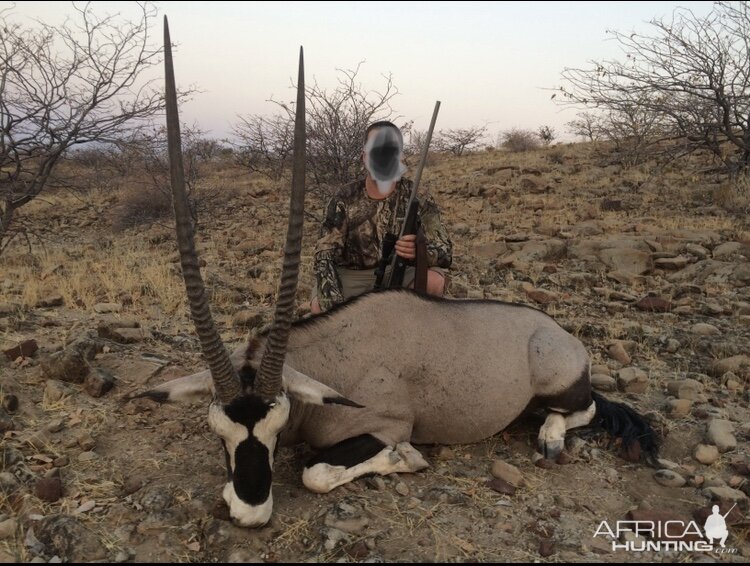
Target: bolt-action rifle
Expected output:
[395,277]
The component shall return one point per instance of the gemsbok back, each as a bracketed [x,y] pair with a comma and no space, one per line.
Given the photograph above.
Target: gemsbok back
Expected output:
[363,381]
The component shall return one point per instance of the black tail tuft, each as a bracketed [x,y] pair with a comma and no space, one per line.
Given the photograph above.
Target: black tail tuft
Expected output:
[619,420]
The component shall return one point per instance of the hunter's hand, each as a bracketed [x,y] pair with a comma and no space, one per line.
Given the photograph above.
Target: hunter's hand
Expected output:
[406,246]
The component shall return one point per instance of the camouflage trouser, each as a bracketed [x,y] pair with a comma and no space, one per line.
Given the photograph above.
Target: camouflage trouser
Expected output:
[357,281]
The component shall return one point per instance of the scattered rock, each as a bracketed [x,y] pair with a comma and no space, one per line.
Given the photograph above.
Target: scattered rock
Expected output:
[672,263]
[33,544]
[610,204]
[603,382]
[739,365]
[117,322]
[546,548]
[7,309]
[731,381]
[501,486]
[632,380]
[563,458]
[87,456]
[698,251]
[68,365]
[335,537]
[8,483]
[654,304]
[626,260]
[124,335]
[669,478]
[248,319]
[156,498]
[545,463]
[736,481]
[55,390]
[8,529]
[54,425]
[490,250]
[243,556]
[507,472]
[98,382]
[600,368]
[346,518]
[85,441]
[724,494]
[54,300]
[10,402]
[720,433]
[617,352]
[542,296]
[704,329]
[68,538]
[539,250]
[106,308]
[25,349]
[706,454]
[133,484]
[678,408]
[48,489]
[402,489]
[685,388]
[444,453]
[8,457]
[85,507]
[6,423]
[726,249]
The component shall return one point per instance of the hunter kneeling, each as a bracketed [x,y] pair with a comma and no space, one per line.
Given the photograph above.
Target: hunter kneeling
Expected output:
[362,224]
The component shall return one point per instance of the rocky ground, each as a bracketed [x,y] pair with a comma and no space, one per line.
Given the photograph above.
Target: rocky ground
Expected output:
[638,263]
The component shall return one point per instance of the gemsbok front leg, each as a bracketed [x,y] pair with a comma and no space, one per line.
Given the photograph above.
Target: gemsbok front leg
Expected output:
[356,457]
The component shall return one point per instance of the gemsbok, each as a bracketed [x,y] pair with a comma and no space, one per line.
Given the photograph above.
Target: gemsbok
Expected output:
[364,380]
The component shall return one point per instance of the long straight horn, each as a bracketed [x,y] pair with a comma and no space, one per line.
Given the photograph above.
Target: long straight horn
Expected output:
[268,380]
[226,381]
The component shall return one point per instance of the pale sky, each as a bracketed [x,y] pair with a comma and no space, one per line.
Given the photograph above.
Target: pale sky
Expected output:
[487,62]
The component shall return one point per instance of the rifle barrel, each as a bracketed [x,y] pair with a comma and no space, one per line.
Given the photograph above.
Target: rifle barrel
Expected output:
[422,161]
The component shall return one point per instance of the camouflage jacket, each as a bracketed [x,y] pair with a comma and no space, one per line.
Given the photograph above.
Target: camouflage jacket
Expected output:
[353,229]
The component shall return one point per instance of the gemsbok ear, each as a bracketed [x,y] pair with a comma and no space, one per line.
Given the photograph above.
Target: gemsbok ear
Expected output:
[308,390]
[190,387]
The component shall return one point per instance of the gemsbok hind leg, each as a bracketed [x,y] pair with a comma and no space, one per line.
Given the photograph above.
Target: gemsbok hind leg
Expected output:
[552,433]
[559,366]
[356,457]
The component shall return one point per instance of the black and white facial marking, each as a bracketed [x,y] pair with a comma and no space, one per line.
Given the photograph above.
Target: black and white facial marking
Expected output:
[249,428]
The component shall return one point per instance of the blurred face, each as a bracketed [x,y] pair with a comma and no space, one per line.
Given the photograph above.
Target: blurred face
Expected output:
[382,156]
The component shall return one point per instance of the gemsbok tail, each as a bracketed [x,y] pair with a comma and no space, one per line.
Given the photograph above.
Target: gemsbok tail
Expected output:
[621,421]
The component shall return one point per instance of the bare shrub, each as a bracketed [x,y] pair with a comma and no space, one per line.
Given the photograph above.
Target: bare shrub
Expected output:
[336,123]
[264,145]
[461,140]
[518,140]
[556,156]
[546,134]
[63,86]
[140,203]
[587,126]
[682,87]
[143,162]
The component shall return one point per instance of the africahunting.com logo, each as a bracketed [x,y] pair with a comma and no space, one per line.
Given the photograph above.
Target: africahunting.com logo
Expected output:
[645,535]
